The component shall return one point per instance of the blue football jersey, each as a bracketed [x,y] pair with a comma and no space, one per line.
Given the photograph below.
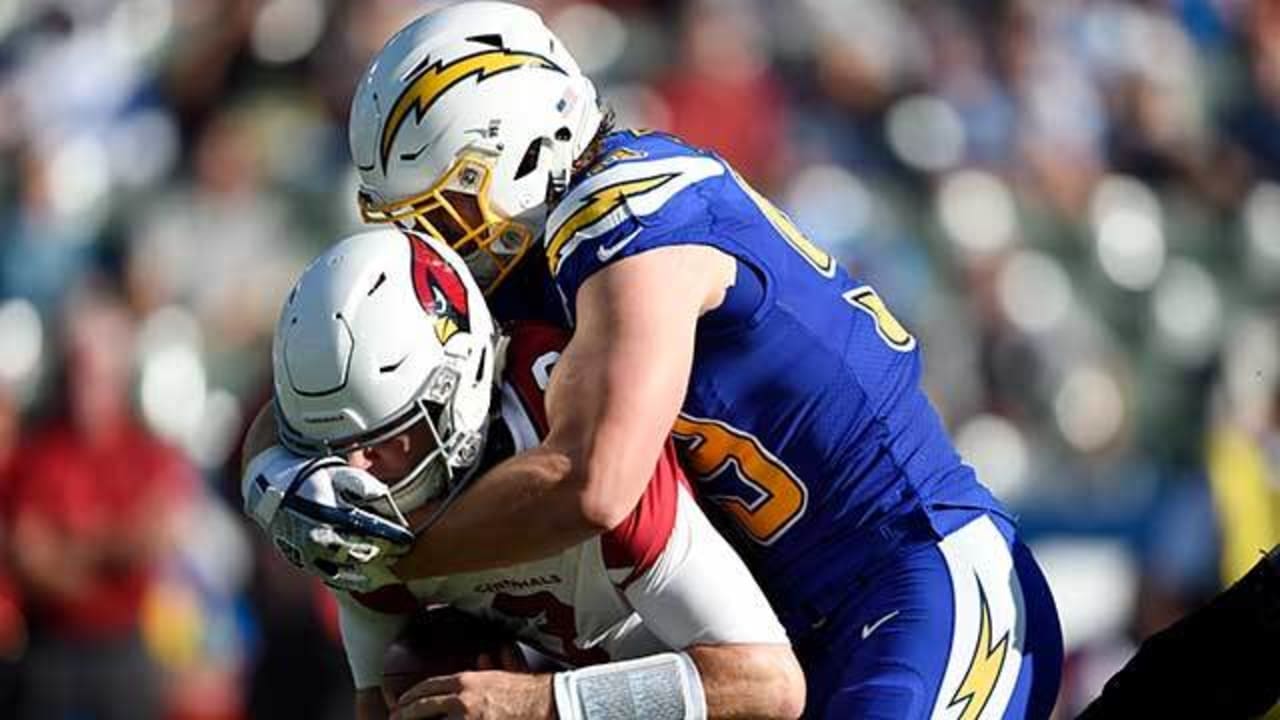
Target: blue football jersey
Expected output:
[804,428]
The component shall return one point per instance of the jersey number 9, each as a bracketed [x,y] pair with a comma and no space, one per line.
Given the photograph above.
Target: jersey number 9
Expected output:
[762,495]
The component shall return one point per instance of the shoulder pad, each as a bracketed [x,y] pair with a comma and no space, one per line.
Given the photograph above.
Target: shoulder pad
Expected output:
[637,188]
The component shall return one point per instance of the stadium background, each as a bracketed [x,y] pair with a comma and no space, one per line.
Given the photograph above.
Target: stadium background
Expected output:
[1075,204]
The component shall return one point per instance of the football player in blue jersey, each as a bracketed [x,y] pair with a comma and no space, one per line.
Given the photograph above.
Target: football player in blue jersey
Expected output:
[699,310]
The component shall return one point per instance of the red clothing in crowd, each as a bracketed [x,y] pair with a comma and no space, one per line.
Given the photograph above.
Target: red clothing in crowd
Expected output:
[742,119]
[11,622]
[98,494]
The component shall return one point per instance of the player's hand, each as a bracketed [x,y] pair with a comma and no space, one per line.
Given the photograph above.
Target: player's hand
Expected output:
[478,695]
[308,508]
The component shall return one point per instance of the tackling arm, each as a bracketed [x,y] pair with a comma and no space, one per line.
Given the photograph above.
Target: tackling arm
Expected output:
[611,402]
[694,595]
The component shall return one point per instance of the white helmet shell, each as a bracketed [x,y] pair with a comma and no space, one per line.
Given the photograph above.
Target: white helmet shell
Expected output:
[384,330]
[479,83]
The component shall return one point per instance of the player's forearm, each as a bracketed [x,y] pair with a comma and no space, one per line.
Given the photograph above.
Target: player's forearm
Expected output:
[526,508]
[750,681]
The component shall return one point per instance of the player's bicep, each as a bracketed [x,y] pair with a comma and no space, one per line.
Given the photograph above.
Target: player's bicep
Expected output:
[617,388]
[699,592]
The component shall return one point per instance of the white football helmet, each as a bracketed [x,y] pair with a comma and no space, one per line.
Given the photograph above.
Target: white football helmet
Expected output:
[383,331]
[465,123]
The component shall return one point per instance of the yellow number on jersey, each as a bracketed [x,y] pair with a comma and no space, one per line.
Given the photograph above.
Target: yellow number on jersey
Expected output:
[890,330]
[712,446]
[814,255]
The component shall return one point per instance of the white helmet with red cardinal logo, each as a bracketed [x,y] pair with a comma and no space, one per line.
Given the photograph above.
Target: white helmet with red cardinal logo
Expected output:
[384,331]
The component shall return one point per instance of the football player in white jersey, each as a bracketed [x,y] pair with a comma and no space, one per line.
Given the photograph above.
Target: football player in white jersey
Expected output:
[386,360]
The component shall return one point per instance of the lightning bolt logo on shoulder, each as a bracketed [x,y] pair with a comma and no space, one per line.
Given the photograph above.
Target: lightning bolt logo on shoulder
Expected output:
[433,80]
[596,207]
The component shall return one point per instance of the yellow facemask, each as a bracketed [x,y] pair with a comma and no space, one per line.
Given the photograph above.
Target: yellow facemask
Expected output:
[457,211]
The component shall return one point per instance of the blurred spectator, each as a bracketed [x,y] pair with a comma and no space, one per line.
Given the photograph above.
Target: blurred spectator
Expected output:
[12,624]
[1254,119]
[96,505]
[300,672]
[1244,466]
[721,92]
[221,244]
[46,246]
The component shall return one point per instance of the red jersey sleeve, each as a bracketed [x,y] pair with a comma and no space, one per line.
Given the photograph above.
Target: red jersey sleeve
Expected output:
[532,352]
[637,542]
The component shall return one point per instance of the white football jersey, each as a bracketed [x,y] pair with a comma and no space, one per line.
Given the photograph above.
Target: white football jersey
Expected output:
[662,580]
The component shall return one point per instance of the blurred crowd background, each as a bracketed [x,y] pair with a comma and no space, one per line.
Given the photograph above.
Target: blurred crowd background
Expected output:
[1074,203]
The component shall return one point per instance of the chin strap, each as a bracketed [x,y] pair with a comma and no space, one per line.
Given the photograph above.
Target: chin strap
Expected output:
[500,343]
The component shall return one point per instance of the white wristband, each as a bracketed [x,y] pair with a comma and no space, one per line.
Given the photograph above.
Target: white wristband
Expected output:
[657,687]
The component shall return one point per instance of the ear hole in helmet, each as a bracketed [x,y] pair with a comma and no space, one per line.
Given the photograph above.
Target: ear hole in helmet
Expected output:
[529,162]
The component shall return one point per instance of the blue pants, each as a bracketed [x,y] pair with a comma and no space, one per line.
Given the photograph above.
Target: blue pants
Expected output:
[964,628]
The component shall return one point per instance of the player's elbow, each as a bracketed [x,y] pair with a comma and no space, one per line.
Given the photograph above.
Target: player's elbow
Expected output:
[584,501]
[602,508]
[606,491]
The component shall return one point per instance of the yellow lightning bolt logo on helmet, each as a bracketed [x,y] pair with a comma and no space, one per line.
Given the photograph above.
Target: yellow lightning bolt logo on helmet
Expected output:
[435,79]
[595,207]
[984,668]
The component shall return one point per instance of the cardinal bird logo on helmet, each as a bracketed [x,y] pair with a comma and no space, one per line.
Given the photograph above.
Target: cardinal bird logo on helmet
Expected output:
[440,290]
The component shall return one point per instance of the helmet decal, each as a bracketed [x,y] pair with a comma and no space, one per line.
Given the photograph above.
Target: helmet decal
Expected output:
[440,290]
[435,79]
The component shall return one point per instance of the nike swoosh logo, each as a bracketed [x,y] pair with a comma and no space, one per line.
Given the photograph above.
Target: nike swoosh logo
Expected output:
[604,252]
[868,629]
